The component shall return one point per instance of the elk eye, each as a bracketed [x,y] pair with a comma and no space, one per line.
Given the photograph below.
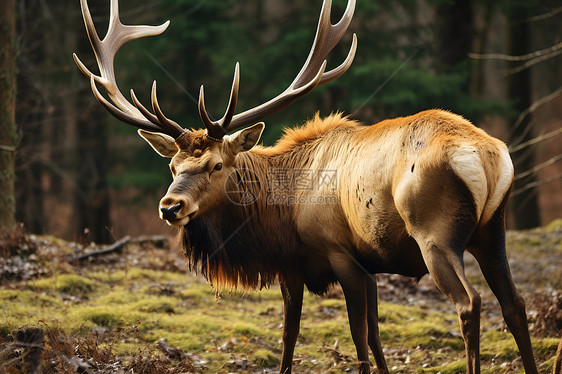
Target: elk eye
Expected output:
[218,166]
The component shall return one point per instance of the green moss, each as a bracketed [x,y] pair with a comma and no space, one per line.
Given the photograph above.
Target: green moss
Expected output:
[116,277]
[125,349]
[545,349]
[394,313]
[159,305]
[500,345]
[187,341]
[71,284]
[266,294]
[457,367]
[5,330]
[27,298]
[155,276]
[263,358]
[101,316]
[201,325]
[246,329]
[120,296]
[183,310]
[327,330]
[18,307]
[198,292]
[554,225]
[338,304]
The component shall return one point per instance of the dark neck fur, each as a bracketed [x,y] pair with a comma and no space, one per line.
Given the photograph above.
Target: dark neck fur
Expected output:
[247,245]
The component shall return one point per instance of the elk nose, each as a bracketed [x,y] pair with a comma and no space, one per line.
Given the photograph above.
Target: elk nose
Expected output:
[171,212]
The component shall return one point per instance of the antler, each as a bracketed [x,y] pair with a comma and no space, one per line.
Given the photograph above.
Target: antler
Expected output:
[105,50]
[312,74]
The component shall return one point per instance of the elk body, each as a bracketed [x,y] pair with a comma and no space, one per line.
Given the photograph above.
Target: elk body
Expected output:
[406,196]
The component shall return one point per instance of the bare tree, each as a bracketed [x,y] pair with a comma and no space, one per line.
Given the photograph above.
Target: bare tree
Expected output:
[454,32]
[91,190]
[519,90]
[8,130]
[523,140]
[31,115]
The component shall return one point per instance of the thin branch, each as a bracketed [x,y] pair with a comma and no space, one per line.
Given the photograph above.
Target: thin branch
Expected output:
[537,184]
[528,56]
[538,167]
[535,61]
[544,16]
[115,247]
[529,110]
[535,140]
[7,148]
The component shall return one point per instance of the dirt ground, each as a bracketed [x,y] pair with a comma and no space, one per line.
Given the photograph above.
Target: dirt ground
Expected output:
[39,275]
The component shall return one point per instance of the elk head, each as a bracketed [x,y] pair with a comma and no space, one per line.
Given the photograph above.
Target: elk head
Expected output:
[202,160]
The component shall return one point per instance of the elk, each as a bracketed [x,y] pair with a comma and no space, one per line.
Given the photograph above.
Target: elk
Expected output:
[409,196]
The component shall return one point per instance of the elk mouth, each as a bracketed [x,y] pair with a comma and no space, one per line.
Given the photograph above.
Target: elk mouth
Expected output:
[181,221]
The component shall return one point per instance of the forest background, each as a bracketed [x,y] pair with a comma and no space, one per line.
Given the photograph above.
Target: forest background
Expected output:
[81,175]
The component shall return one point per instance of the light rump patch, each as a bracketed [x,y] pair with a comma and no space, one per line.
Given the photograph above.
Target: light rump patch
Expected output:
[503,184]
[467,164]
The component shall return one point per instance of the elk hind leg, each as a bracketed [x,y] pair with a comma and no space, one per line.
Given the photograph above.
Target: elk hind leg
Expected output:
[489,250]
[446,267]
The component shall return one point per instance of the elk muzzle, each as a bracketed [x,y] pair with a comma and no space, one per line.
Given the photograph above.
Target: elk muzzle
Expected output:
[170,213]
[176,211]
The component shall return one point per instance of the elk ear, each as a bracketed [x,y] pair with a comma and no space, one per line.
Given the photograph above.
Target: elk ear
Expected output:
[163,144]
[246,139]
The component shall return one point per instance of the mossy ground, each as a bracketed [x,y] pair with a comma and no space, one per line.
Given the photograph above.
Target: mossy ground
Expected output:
[128,306]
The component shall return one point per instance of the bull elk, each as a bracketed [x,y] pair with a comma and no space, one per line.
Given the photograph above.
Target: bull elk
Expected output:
[409,196]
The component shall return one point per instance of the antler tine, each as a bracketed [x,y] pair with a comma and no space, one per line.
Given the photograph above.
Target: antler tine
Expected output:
[218,129]
[342,68]
[311,75]
[165,122]
[105,50]
[117,112]
[327,37]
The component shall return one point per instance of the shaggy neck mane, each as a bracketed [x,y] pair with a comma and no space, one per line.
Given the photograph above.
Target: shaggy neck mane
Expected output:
[311,132]
[247,240]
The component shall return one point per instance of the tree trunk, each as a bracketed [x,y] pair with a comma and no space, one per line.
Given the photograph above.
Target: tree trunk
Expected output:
[8,129]
[454,33]
[33,89]
[479,46]
[91,197]
[525,207]
[91,192]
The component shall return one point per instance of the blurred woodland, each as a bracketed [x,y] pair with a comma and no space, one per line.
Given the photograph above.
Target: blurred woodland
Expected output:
[82,175]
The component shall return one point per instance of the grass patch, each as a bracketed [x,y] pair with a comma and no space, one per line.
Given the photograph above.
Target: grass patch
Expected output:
[264,359]
[71,284]
[126,311]
[458,367]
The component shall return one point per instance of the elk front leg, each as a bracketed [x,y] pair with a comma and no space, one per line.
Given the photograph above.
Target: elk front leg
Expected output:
[352,280]
[292,291]
[373,323]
